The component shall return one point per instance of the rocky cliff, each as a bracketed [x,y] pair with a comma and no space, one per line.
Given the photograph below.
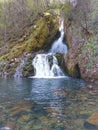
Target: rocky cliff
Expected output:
[38,37]
[82,58]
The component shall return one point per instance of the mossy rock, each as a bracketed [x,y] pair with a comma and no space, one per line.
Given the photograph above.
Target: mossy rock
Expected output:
[60,58]
[28,69]
[50,59]
[8,69]
[72,67]
[45,31]
[11,67]
[16,52]
[2,66]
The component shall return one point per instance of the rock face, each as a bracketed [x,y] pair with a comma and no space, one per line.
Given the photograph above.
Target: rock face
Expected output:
[71,61]
[82,40]
[82,58]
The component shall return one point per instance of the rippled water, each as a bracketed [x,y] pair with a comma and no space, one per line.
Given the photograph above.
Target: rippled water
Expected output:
[46,104]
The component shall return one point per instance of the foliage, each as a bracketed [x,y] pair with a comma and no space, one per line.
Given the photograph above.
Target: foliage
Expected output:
[90,50]
[28,69]
[16,17]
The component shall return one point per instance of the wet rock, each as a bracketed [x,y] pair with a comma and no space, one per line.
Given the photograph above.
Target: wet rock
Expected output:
[28,70]
[89,126]
[2,108]
[61,92]
[20,109]
[44,119]
[12,124]
[50,59]
[60,58]
[93,120]
[24,118]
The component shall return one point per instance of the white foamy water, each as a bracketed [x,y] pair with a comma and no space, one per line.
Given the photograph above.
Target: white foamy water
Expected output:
[46,65]
[43,67]
[58,46]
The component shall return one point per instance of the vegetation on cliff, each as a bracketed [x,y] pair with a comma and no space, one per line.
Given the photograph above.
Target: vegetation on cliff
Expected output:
[39,29]
[81,34]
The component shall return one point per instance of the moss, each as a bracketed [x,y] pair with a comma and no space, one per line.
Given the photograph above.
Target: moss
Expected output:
[60,58]
[11,67]
[37,41]
[28,69]
[1,59]
[45,28]
[2,66]
[16,51]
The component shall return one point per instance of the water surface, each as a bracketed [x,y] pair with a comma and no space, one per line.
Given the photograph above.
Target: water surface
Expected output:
[46,104]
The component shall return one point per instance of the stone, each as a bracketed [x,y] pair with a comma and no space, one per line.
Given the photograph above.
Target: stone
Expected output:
[24,118]
[93,119]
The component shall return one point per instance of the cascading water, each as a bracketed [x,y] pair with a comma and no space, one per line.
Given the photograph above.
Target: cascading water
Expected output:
[44,67]
[58,45]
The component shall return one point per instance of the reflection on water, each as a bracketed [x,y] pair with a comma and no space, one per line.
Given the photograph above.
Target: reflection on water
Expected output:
[11,88]
[46,104]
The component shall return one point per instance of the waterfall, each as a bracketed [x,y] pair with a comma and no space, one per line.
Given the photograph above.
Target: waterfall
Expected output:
[41,65]
[58,45]
[44,67]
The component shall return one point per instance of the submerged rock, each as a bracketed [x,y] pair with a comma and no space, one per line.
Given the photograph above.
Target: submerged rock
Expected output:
[93,119]
[89,126]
